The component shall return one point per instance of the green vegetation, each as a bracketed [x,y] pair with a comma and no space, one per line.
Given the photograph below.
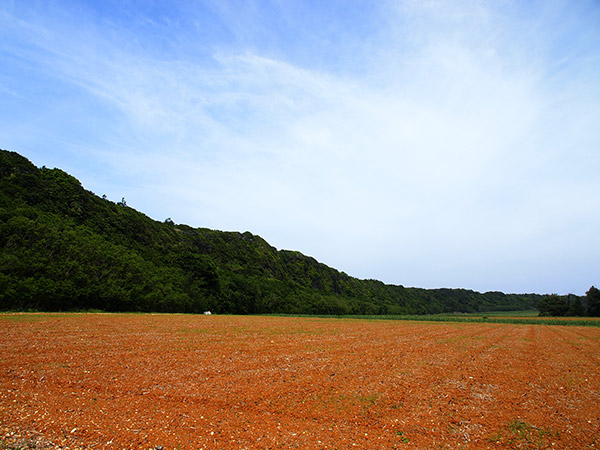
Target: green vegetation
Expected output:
[466,318]
[524,313]
[571,305]
[62,248]
[402,437]
[519,434]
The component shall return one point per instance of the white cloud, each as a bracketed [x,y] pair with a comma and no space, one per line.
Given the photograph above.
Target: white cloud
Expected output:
[450,157]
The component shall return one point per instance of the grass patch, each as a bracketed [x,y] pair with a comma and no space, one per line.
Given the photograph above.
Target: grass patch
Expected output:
[402,437]
[507,317]
[521,434]
[466,318]
[34,317]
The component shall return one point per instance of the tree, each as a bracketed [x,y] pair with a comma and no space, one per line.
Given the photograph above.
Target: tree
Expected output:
[575,306]
[593,301]
[553,305]
[62,247]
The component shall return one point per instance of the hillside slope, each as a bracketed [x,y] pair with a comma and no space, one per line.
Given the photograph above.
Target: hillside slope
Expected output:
[64,248]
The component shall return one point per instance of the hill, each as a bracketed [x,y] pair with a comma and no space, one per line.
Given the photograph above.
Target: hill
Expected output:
[64,248]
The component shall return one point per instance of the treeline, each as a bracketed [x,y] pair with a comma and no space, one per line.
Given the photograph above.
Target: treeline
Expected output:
[64,248]
[571,305]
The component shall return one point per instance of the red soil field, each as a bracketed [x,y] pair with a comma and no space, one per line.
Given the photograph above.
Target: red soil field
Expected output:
[117,381]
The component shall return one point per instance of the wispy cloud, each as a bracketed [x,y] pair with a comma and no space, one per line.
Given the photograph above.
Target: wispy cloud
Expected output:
[455,149]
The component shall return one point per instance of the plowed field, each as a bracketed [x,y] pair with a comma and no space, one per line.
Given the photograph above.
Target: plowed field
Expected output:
[230,382]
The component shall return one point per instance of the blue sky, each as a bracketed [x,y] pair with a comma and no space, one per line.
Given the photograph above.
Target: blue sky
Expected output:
[423,143]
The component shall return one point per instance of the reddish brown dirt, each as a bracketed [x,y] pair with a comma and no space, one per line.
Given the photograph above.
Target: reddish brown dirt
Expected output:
[226,382]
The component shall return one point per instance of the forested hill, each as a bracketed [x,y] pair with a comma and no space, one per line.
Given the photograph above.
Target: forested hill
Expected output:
[64,248]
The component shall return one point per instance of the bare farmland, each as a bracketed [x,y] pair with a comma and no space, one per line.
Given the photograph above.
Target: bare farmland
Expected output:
[233,382]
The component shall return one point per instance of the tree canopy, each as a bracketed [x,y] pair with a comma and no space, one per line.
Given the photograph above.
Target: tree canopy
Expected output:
[65,248]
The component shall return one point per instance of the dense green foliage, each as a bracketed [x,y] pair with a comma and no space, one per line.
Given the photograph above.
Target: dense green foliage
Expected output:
[64,248]
[571,305]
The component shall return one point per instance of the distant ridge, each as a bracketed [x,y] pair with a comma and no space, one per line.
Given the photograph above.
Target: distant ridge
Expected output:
[64,248]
